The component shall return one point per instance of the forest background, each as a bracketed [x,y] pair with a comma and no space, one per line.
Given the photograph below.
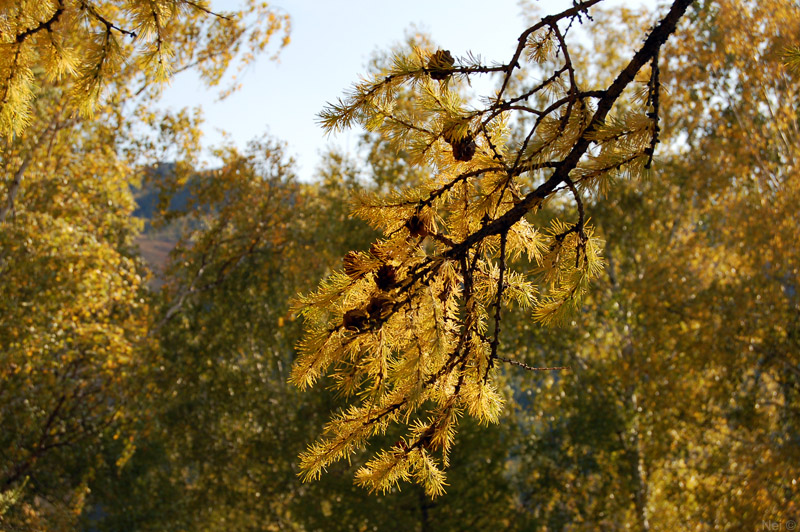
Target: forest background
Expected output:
[154,395]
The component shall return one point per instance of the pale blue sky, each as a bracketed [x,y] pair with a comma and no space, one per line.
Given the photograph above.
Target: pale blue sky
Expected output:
[331,43]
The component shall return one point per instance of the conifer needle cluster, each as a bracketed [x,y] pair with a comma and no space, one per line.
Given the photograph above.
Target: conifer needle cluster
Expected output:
[410,330]
[86,43]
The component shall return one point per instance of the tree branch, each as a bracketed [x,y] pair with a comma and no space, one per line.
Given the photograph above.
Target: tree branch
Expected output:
[42,25]
[651,45]
[531,368]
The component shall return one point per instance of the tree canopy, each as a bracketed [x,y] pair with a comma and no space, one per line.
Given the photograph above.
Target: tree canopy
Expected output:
[88,44]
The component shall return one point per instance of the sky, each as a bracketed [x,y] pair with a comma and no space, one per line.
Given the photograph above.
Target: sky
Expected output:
[331,43]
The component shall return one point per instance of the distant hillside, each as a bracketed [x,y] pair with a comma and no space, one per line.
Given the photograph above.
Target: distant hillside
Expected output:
[147,196]
[156,244]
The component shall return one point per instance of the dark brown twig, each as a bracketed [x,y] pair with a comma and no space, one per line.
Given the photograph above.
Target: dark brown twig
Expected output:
[206,10]
[107,23]
[523,39]
[654,87]
[656,38]
[497,307]
[531,368]
[45,25]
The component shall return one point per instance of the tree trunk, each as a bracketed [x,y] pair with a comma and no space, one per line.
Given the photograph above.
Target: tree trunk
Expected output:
[636,453]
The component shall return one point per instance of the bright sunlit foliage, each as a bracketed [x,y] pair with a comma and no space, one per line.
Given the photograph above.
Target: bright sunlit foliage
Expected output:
[412,328]
[86,44]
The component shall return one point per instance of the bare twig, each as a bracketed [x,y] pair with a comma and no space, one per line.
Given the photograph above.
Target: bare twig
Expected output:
[523,39]
[497,307]
[657,37]
[45,25]
[652,100]
[204,9]
[531,368]
[107,23]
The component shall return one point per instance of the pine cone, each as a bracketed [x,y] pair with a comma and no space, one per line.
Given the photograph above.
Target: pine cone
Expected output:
[440,65]
[355,320]
[464,148]
[379,307]
[386,277]
[420,224]
[460,140]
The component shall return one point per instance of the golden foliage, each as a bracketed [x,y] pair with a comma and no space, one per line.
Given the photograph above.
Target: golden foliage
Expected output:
[85,44]
[411,330]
